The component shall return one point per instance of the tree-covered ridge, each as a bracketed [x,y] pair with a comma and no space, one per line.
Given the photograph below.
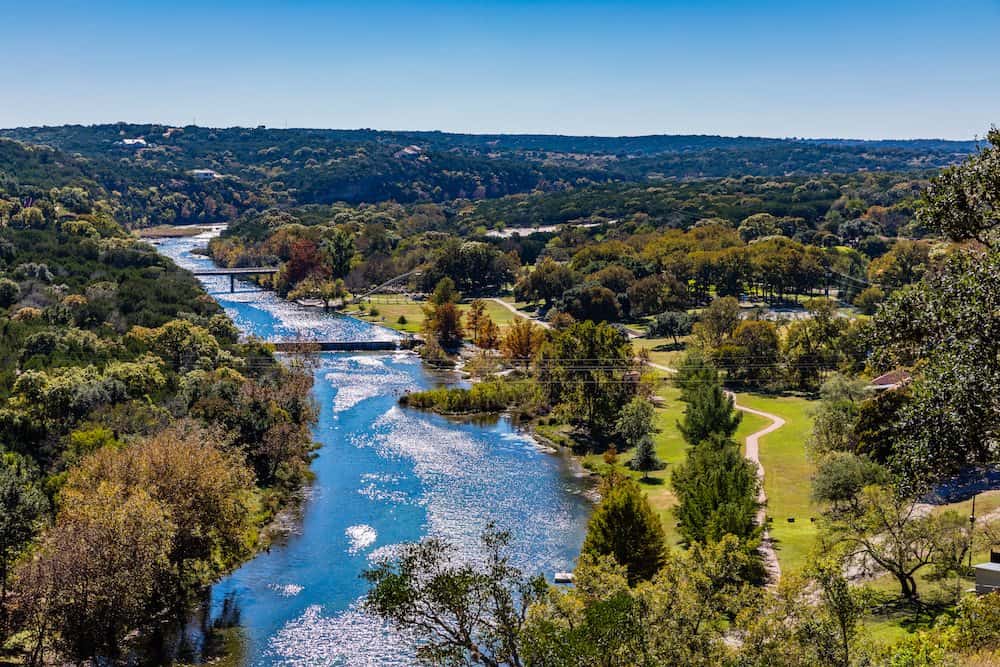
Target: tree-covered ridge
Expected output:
[142,447]
[151,166]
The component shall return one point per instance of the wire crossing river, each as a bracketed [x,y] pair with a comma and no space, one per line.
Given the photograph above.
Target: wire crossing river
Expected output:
[384,476]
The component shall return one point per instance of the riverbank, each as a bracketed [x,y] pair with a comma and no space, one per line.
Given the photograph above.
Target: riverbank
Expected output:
[384,476]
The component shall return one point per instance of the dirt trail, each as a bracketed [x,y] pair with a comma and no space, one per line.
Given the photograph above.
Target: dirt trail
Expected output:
[753,454]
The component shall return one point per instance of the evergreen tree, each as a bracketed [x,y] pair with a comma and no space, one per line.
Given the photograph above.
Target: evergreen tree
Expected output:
[709,412]
[717,492]
[625,527]
[645,458]
[694,372]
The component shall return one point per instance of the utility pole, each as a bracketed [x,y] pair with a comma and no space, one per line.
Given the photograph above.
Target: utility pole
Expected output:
[972,525]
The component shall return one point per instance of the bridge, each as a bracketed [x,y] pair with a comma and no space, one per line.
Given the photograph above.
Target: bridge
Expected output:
[239,271]
[405,343]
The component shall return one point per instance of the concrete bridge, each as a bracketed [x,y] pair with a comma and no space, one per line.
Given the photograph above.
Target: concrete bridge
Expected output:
[405,343]
[240,271]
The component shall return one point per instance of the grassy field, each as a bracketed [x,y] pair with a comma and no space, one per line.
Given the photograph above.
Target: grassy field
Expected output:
[391,307]
[788,476]
[661,350]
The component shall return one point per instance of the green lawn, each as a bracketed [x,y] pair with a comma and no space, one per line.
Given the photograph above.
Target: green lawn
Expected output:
[662,350]
[788,476]
[391,307]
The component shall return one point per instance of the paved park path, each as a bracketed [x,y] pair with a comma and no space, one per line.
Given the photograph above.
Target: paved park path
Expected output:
[771,563]
[521,313]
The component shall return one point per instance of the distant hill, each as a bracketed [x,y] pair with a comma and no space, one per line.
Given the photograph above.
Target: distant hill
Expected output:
[195,174]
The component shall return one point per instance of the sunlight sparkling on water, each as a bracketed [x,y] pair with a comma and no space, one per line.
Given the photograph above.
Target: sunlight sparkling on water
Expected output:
[385,476]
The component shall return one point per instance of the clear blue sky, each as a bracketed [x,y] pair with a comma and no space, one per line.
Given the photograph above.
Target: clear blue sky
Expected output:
[769,68]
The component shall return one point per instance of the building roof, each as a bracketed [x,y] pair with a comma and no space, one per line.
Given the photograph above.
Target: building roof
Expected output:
[991,567]
[892,379]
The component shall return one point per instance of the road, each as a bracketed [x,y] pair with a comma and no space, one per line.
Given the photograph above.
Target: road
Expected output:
[753,454]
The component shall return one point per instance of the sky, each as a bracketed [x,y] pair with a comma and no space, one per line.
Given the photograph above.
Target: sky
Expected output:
[869,69]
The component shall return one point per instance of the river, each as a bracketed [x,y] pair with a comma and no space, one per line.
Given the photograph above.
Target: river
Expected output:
[384,476]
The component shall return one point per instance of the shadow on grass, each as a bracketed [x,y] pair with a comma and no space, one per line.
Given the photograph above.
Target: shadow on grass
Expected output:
[652,481]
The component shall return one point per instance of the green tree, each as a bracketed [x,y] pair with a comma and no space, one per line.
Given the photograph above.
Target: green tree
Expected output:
[547,281]
[718,321]
[948,327]
[461,613]
[885,529]
[635,428]
[963,201]
[672,323]
[589,366]
[22,505]
[709,412]
[716,490]
[337,251]
[314,287]
[694,372]
[10,292]
[625,527]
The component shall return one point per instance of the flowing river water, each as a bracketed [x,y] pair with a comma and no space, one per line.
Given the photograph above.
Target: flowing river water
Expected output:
[384,476]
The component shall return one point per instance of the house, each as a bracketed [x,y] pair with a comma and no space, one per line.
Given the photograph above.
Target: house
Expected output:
[132,143]
[891,380]
[204,174]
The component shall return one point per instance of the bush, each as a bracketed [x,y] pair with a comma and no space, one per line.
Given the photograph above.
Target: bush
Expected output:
[401,319]
[486,396]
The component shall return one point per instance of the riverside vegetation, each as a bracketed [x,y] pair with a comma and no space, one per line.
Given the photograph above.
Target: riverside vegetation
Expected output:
[143,448]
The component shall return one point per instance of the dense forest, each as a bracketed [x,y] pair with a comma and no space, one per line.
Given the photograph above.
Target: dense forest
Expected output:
[152,167]
[143,448]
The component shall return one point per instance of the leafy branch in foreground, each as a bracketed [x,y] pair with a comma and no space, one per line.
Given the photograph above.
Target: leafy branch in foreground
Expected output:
[464,613]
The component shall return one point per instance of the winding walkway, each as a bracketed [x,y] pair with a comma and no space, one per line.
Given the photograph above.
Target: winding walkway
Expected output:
[771,563]
[521,313]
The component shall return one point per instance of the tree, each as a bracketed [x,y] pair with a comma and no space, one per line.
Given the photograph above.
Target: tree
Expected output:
[315,287]
[200,487]
[485,333]
[717,490]
[461,613]
[885,529]
[442,318]
[963,201]
[96,572]
[694,372]
[547,281]
[22,505]
[753,354]
[948,327]
[814,620]
[591,302]
[718,321]
[677,618]
[840,476]
[589,366]
[869,299]
[10,292]
[625,527]
[337,251]
[835,417]
[758,226]
[672,323]
[635,428]
[709,412]
[445,292]
[521,340]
